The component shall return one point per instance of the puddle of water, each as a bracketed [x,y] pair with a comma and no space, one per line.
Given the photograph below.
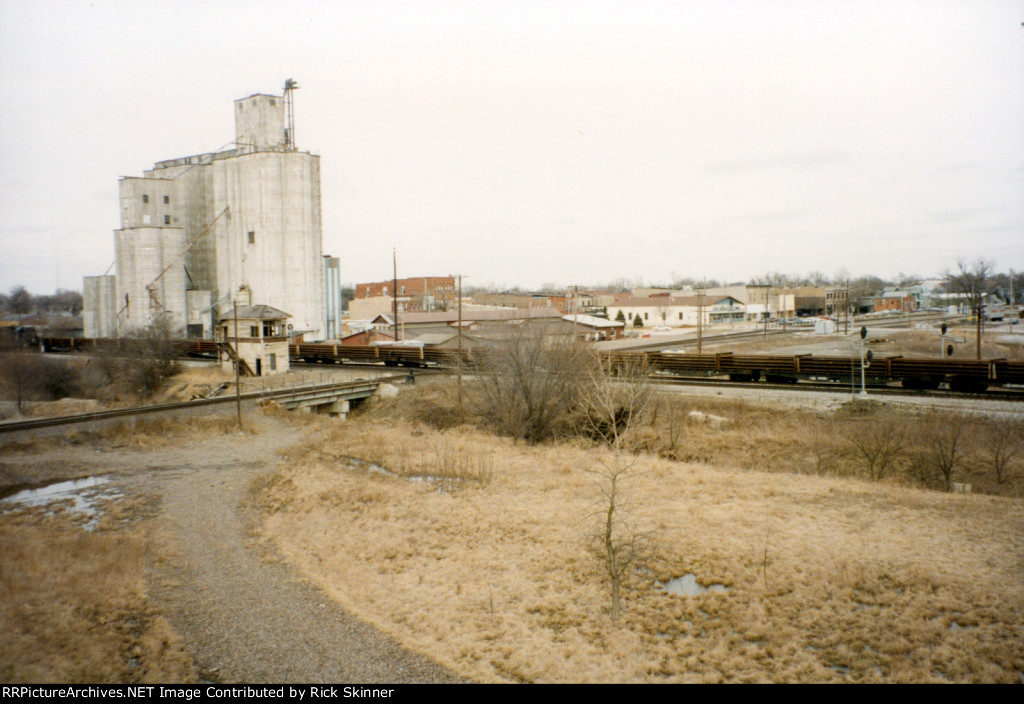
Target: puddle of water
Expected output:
[356,463]
[84,495]
[687,586]
[442,484]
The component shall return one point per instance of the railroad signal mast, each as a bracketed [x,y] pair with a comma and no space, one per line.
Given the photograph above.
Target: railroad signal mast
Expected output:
[865,361]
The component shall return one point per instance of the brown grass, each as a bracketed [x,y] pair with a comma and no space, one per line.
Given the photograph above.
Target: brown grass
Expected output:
[73,605]
[156,432]
[754,436]
[920,343]
[810,442]
[829,579]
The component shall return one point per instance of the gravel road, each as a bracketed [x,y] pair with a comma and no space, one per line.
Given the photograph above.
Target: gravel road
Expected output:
[243,616]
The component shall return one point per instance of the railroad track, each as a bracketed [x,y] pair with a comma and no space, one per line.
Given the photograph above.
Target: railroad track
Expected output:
[839,387]
[267,394]
[959,375]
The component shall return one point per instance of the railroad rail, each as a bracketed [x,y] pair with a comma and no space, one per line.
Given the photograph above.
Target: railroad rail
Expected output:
[917,373]
[284,395]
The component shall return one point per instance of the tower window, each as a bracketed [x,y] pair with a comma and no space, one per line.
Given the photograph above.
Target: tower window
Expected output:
[167,200]
[145,198]
[167,219]
[252,237]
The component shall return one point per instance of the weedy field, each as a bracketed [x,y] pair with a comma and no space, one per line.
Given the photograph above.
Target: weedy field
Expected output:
[74,605]
[480,551]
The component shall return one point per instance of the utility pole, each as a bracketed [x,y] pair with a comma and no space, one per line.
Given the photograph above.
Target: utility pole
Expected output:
[394,292]
[238,363]
[846,309]
[767,308]
[459,363]
[1013,305]
[700,319]
[575,311]
[976,295]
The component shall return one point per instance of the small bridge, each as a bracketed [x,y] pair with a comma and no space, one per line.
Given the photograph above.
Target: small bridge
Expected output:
[333,399]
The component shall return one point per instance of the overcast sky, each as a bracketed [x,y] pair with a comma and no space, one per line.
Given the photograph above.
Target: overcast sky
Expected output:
[551,141]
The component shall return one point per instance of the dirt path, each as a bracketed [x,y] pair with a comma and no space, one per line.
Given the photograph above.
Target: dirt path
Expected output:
[242,615]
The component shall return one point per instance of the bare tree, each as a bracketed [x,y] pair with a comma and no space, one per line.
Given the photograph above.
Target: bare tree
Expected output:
[663,311]
[1002,443]
[20,371]
[972,281]
[608,408]
[817,279]
[150,356]
[20,301]
[528,381]
[667,406]
[878,443]
[944,445]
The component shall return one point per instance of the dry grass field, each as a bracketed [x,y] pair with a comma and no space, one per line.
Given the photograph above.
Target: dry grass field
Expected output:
[73,603]
[478,551]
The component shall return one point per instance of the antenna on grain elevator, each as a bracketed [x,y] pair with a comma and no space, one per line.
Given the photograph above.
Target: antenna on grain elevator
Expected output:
[290,85]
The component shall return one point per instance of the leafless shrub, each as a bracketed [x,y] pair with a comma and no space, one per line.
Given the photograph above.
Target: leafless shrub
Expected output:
[943,445]
[1000,446]
[607,407]
[877,444]
[528,382]
[59,379]
[668,416]
[20,373]
[150,358]
[457,464]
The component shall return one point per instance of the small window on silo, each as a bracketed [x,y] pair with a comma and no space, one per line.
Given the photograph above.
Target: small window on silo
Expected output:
[252,237]
[273,102]
[167,219]
[167,200]
[145,198]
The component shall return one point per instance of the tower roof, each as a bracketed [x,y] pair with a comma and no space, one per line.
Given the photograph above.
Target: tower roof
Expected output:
[257,312]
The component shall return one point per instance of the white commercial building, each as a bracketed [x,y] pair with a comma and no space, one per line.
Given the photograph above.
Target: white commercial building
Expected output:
[200,233]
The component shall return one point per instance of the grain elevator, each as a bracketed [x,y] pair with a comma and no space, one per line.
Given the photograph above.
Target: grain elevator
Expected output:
[201,233]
